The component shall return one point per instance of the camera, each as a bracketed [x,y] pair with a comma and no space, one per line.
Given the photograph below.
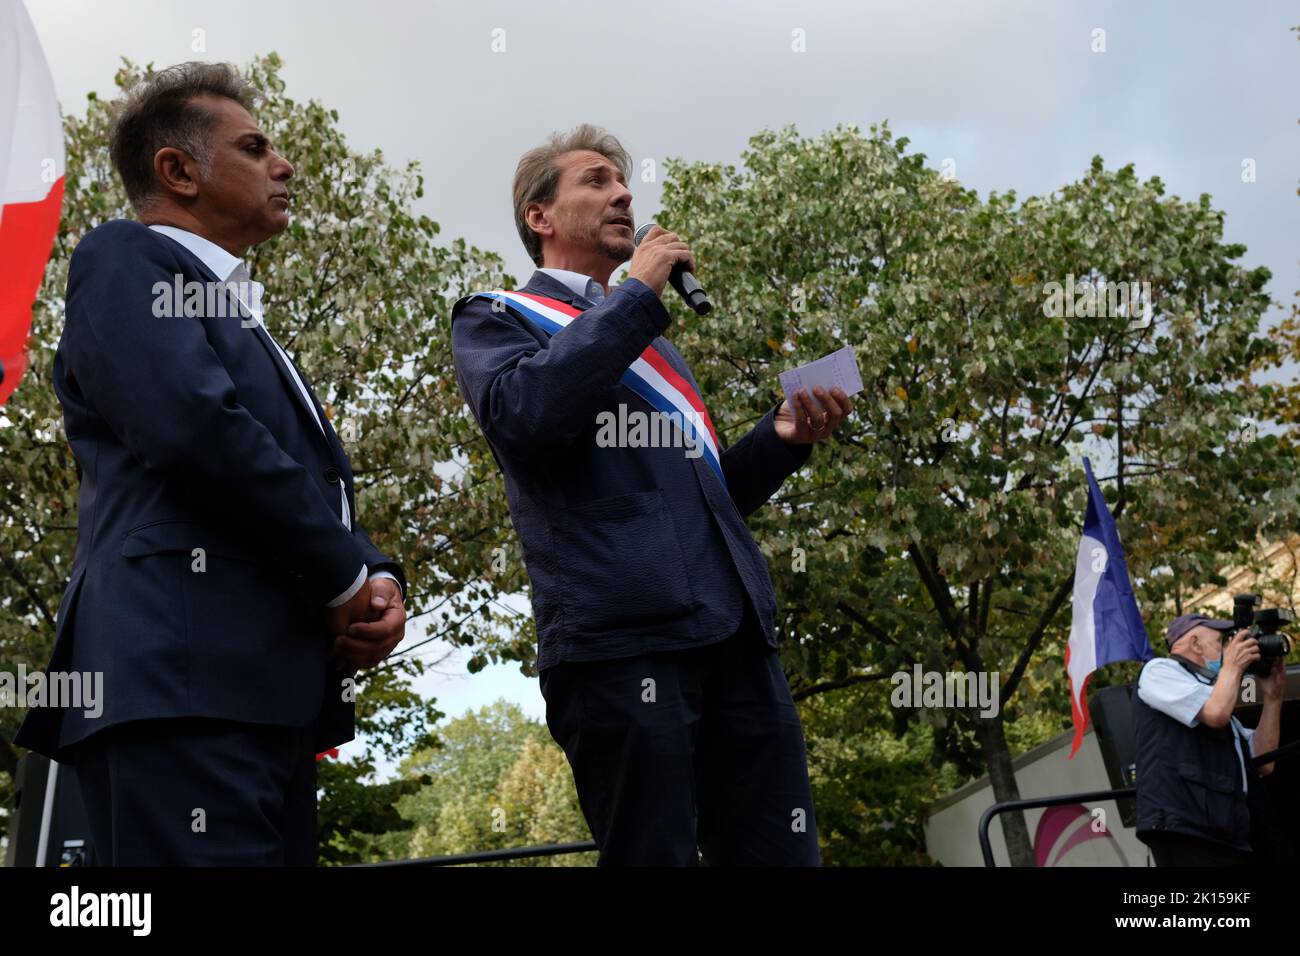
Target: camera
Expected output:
[1263,624]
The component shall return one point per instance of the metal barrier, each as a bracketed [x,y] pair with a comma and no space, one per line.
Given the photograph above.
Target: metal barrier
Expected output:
[492,856]
[1095,796]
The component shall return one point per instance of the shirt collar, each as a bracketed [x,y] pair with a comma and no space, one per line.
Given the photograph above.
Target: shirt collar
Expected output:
[221,262]
[579,284]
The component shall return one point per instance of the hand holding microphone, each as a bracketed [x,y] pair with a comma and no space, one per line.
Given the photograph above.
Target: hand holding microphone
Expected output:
[661,257]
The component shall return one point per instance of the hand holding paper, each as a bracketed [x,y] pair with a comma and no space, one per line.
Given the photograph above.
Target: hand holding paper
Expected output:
[837,370]
[831,379]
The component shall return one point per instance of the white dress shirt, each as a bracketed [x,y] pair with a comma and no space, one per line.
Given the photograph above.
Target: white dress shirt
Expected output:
[230,269]
[1167,686]
[582,285]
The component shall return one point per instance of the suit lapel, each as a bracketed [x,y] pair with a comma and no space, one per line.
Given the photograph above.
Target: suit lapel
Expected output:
[331,439]
[264,339]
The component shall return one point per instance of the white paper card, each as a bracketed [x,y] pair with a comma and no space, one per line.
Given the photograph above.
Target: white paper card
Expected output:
[840,368]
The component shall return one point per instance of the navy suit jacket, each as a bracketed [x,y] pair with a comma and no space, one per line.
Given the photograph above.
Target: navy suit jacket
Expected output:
[191,435]
[629,550]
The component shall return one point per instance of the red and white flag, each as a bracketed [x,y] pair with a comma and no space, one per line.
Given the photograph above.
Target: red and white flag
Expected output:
[31,183]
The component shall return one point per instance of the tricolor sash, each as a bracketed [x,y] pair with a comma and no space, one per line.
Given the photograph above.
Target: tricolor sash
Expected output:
[650,376]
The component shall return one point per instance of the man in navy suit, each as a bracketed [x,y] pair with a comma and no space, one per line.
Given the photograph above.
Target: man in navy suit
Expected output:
[221,582]
[654,608]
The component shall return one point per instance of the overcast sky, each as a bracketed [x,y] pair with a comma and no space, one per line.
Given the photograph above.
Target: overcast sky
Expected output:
[1011,91]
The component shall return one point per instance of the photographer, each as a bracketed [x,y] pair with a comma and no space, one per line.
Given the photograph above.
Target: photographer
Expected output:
[1194,776]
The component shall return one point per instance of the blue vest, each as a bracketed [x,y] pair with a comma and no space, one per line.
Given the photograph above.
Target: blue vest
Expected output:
[1189,779]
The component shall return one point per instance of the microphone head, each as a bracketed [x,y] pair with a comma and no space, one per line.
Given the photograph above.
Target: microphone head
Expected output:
[640,233]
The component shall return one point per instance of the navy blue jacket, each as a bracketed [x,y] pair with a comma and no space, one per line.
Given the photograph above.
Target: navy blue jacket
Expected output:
[191,434]
[629,550]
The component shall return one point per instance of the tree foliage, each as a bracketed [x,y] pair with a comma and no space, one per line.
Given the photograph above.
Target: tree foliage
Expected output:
[496,781]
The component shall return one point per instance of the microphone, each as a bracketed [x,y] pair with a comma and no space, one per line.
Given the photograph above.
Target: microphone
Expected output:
[682,279]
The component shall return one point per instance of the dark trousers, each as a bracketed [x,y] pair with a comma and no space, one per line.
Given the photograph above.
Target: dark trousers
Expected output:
[1179,849]
[199,792]
[681,753]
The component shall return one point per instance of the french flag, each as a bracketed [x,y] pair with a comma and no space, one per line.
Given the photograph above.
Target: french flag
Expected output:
[31,183]
[1107,625]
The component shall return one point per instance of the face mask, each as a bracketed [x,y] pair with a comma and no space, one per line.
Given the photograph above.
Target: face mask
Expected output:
[1214,665]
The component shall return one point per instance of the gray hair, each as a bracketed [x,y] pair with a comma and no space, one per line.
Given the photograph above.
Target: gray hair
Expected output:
[538,174]
[161,112]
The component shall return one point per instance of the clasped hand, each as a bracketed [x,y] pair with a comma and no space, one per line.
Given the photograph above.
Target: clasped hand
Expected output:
[367,628]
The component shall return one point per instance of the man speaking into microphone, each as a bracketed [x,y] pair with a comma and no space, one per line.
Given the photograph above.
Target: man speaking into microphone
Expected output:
[654,608]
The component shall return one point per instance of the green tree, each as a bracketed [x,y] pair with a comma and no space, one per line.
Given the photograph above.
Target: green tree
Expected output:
[359,290]
[873,777]
[876,770]
[496,780]
[940,524]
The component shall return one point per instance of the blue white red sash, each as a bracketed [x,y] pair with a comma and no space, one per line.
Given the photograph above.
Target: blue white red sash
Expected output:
[650,376]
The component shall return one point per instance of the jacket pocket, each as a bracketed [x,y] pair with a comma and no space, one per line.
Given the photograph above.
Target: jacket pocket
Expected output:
[159,537]
[1213,793]
[620,565]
